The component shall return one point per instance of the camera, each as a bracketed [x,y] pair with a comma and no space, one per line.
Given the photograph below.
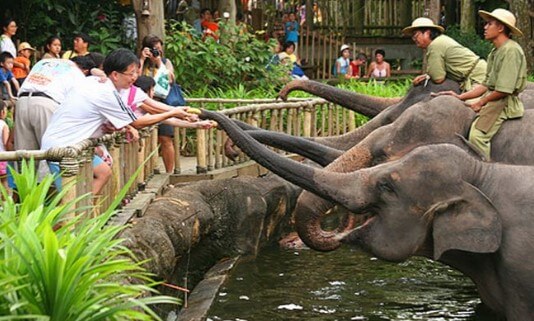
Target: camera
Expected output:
[155,52]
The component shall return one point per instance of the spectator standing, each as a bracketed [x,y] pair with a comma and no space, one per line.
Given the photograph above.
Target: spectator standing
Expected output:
[11,85]
[52,47]
[356,65]
[81,46]
[343,67]
[92,103]
[9,29]
[46,86]
[291,29]
[210,28]
[379,68]
[25,52]
[149,66]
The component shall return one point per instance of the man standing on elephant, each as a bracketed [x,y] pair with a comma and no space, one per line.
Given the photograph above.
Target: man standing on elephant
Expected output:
[506,77]
[445,57]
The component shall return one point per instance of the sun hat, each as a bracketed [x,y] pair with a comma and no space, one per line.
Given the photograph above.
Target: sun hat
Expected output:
[503,16]
[25,45]
[421,22]
[343,47]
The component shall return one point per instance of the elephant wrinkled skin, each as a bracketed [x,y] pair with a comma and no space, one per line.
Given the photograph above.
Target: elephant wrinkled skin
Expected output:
[485,252]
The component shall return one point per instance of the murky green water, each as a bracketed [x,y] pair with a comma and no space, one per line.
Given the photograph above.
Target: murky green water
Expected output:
[344,285]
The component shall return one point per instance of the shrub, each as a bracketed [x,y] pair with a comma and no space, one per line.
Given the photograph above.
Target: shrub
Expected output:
[235,59]
[79,271]
[470,40]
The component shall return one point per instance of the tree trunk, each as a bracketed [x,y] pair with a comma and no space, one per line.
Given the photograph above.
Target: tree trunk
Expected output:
[434,10]
[467,19]
[150,19]
[450,12]
[524,12]
[228,6]
[405,13]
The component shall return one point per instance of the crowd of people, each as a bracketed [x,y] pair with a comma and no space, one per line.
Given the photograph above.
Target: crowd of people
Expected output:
[67,97]
[77,94]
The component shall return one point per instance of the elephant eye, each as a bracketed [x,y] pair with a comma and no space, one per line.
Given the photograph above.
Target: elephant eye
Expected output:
[385,186]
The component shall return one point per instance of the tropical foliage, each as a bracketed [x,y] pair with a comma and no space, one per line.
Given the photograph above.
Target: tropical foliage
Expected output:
[238,57]
[56,269]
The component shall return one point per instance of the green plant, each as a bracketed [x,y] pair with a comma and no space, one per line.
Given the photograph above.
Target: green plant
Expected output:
[237,58]
[58,269]
[471,41]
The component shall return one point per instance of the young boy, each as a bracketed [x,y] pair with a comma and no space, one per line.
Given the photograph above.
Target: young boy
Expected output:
[6,76]
[21,66]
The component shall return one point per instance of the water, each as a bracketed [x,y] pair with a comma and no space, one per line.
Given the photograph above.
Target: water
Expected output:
[344,285]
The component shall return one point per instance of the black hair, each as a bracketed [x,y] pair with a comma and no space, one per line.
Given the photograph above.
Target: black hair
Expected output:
[380,51]
[204,10]
[2,105]
[150,41]
[49,41]
[287,44]
[434,32]
[84,62]
[145,83]
[119,60]
[97,57]
[5,55]
[6,22]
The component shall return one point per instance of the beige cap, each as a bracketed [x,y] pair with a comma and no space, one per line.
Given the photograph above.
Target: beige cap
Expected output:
[421,22]
[25,45]
[343,47]
[504,16]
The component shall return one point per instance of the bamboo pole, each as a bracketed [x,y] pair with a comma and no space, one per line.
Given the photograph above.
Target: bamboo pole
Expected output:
[177,150]
[202,166]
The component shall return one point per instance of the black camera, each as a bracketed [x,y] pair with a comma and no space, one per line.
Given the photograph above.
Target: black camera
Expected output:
[155,52]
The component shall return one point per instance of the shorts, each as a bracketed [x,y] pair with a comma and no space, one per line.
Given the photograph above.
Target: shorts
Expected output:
[165,130]
[56,171]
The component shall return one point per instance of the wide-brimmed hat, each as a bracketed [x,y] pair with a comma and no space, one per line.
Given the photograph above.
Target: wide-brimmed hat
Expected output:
[343,47]
[25,45]
[420,23]
[503,16]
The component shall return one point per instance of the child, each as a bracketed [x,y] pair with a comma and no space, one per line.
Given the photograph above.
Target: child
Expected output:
[4,134]
[21,66]
[6,76]
[343,67]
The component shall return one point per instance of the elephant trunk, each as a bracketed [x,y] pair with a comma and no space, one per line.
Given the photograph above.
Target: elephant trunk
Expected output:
[366,105]
[311,210]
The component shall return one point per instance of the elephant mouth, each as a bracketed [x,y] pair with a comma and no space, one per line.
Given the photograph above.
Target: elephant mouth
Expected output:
[356,233]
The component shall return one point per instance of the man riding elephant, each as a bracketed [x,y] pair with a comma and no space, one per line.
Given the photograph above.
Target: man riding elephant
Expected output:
[506,77]
[446,58]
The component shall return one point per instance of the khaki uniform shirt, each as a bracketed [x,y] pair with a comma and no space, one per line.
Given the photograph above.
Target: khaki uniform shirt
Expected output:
[446,58]
[507,73]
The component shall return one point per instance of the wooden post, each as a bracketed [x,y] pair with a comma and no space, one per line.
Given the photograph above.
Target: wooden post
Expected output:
[176,144]
[69,168]
[307,130]
[202,166]
[434,10]
[467,20]
[405,13]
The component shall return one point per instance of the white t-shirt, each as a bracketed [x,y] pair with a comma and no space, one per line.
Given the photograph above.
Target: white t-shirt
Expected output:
[83,113]
[6,44]
[54,77]
[138,99]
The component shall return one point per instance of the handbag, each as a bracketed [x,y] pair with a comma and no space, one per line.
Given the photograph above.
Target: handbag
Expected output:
[175,96]
[162,88]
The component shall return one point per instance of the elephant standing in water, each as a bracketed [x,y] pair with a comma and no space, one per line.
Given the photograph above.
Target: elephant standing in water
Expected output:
[437,202]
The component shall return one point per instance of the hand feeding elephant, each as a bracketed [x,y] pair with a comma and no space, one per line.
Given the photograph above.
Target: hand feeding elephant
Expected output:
[437,202]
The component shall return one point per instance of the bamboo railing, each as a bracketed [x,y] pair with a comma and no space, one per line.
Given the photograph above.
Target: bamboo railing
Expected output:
[299,117]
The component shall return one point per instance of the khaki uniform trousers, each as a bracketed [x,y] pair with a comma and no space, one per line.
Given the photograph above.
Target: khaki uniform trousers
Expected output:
[486,125]
[32,115]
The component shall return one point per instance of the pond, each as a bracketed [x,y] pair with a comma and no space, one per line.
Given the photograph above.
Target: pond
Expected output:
[346,284]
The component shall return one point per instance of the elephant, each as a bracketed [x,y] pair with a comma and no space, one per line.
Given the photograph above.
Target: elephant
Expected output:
[383,110]
[435,201]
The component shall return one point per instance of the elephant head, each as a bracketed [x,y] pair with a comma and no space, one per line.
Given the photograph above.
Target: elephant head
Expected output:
[382,192]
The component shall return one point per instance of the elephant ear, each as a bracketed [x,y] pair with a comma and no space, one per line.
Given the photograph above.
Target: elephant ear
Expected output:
[469,222]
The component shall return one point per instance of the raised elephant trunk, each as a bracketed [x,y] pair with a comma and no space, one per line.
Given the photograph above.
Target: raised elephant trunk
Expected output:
[323,183]
[366,105]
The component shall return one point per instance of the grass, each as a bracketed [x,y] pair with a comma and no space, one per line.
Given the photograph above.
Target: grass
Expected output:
[56,269]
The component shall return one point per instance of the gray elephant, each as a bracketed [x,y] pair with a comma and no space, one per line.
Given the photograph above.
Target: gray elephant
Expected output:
[437,202]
